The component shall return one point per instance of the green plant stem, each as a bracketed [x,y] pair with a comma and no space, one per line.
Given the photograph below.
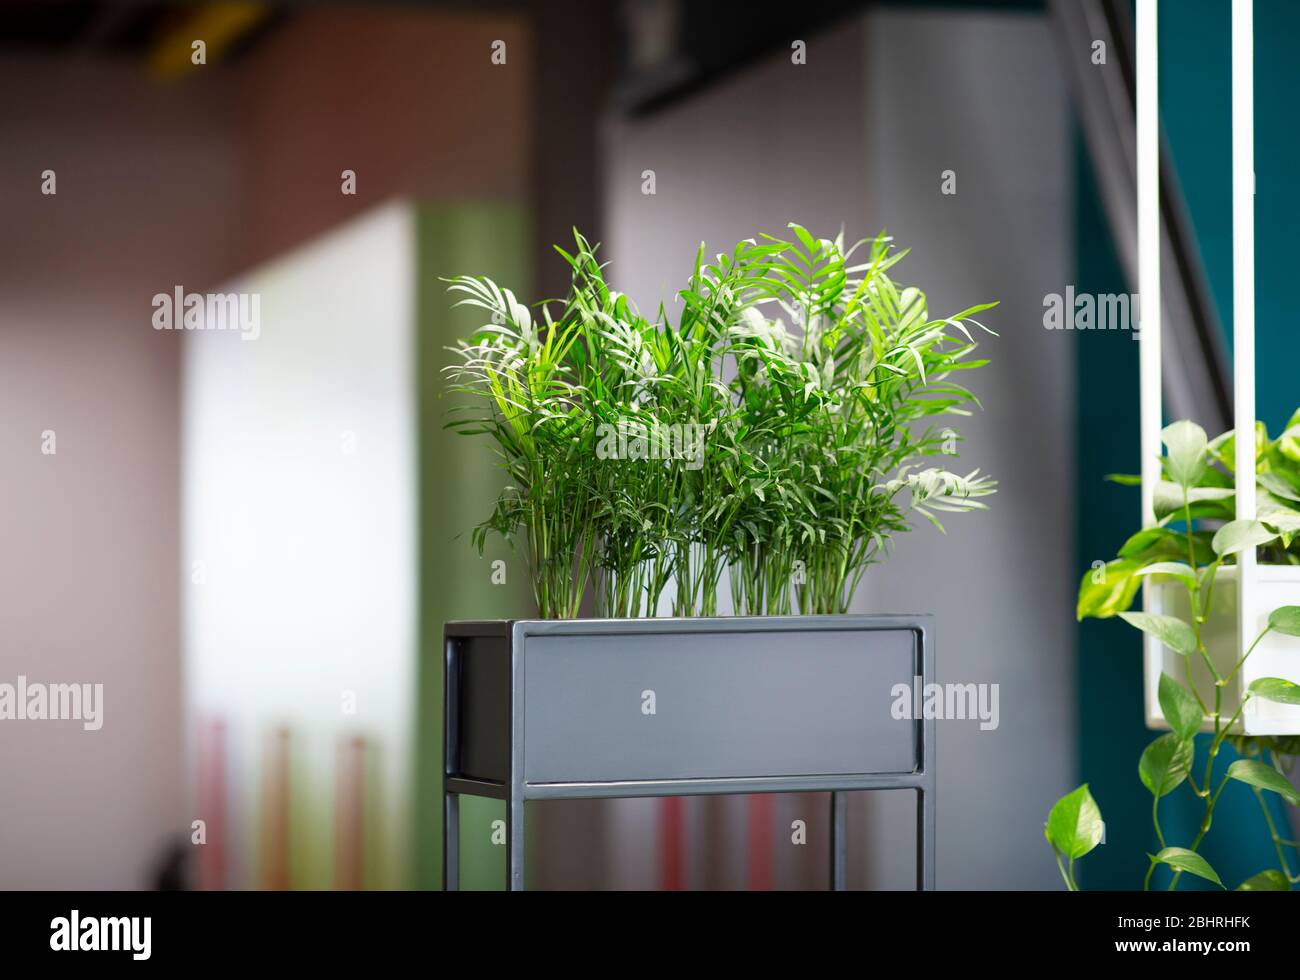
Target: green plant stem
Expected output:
[1220,732]
[1264,632]
[1067,874]
[1206,821]
[1209,587]
[1278,842]
[1194,594]
[1191,686]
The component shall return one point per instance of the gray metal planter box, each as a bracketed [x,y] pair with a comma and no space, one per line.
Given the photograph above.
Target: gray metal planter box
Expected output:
[545,710]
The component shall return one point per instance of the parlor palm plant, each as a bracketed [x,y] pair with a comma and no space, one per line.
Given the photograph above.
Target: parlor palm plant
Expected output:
[776,432]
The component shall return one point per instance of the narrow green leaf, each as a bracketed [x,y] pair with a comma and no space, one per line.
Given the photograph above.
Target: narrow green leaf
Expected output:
[1175,569]
[1285,619]
[1186,443]
[1169,630]
[1149,539]
[1202,501]
[1124,479]
[1108,590]
[1288,443]
[1266,881]
[1276,689]
[1274,484]
[1162,542]
[1265,777]
[1181,859]
[1237,536]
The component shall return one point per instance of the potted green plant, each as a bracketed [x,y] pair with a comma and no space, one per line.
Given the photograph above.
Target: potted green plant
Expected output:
[773,437]
[1201,675]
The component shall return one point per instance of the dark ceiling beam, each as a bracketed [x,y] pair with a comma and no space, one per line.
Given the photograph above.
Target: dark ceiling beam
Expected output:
[106,23]
[573,66]
[223,28]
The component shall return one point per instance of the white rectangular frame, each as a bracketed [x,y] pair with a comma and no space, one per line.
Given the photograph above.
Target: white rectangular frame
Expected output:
[1258,718]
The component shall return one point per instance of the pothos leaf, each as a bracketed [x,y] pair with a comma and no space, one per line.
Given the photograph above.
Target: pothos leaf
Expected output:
[1264,777]
[1181,859]
[1074,825]
[1180,709]
[1266,881]
[1165,764]
[1169,630]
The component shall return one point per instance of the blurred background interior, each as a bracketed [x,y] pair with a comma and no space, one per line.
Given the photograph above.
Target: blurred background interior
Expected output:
[253,546]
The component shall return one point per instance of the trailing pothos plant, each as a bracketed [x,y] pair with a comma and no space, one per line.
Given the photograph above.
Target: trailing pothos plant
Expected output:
[775,434]
[1194,538]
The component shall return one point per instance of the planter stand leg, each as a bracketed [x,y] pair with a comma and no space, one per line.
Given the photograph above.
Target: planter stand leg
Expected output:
[839,842]
[925,828]
[515,843]
[450,841]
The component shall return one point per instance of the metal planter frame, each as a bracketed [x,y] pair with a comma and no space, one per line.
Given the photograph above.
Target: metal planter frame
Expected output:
[546,710]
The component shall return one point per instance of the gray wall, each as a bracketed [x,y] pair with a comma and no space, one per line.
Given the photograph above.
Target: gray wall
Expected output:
[859,136]
[990,107]
[89,577]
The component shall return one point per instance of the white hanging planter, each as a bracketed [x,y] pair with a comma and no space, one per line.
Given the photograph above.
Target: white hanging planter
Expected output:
[1246,593]
[1277,655]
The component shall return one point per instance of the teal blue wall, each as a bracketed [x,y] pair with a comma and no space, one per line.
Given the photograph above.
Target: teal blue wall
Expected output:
[1277,210]
[1111,730]
[1195,110]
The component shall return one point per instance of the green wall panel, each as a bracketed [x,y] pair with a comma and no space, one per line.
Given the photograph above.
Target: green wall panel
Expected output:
[458,484]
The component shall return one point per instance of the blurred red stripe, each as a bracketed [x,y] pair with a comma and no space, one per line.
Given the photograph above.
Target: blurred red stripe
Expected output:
[349,815]
[672,829]
[275,811]
[759,842]
[211,794]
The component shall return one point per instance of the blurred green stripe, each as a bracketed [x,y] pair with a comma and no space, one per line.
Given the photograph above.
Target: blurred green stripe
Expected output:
[458,483]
